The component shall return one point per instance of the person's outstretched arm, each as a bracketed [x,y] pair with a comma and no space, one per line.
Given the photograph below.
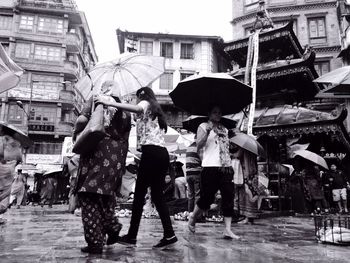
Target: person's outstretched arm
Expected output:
[123,106]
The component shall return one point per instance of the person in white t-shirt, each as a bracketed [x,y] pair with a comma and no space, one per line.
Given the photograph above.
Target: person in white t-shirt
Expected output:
[217,173]
[150,129]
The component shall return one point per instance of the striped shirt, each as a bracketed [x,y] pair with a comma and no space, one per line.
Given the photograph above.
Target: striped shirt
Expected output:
[193,162]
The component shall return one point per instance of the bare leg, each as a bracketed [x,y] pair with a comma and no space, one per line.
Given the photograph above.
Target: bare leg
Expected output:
[228,234]
[339,206]
[192,219]
[345,204]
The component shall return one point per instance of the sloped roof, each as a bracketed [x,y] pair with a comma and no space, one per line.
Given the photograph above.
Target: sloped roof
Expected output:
[290,120]
[278,43]
[293,78]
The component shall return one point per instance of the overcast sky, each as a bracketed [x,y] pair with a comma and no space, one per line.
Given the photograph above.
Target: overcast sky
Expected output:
[197,17]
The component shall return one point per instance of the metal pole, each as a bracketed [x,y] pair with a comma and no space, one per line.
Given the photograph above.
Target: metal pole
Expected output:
[30,102]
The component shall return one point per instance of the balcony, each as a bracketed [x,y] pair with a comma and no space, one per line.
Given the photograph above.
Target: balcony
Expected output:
[70,70]
[164,99]
[73,43]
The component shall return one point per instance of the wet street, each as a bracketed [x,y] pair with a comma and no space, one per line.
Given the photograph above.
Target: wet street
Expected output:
[35,234]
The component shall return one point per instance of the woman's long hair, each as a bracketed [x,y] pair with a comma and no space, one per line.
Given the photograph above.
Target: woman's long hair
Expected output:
[147,94]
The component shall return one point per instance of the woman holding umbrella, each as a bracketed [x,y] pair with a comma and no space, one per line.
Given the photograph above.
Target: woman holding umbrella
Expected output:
[217,173]
[150,127]
[100,172]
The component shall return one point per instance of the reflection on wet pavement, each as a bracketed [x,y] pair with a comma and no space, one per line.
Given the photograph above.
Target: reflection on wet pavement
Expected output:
[35,234]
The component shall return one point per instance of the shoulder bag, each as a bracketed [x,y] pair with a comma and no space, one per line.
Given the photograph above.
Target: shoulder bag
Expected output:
[92,134]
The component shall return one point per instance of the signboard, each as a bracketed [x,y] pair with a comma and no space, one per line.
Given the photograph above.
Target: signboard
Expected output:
[41,127]
[43,158]
[67,147]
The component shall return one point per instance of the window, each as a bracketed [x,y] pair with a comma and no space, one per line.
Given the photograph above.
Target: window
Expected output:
[46,148]
[6,47]
[185,75]
[322,67]
[5,22]
[187,51]
[46,87]
[22,50]
[166,81]
[247,31]
[50,25]
[46,53]
[146,47]
[43,114]
[317,30]
[280,23]
[26,23]
[15,114]
[166,49]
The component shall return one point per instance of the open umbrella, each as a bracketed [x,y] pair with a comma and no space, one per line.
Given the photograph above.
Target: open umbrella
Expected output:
[197,94]
[313,157]
[10,72]
[191,123]
[248,143]
[17,134]
[130,72]
[338,80]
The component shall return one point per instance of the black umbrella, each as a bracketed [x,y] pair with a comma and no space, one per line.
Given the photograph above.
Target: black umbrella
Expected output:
[17,134]
[197,94]
[191,123]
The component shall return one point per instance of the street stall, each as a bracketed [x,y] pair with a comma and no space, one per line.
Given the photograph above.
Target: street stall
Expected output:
[281,129]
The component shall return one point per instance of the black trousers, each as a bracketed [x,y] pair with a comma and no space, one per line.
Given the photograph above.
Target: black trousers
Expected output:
[152,170]
[98,216]
[212,180]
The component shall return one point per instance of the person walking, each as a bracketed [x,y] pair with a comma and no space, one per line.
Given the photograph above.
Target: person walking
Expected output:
[339,183]
[18,188]
[100,172]
[150,128]
[217,173]
[193,175]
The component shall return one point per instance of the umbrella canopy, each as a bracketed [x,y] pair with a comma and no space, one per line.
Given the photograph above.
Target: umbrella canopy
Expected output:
[17,134]
[191,123]
[313,157]
[10,72]
[248,143]
[197,94]
[130,72]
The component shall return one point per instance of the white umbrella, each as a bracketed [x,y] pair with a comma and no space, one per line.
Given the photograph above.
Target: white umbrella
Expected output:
[130,71]
[312,157]
[10,72]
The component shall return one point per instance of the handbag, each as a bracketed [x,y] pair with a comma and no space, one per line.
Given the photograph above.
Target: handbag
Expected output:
[238,172]
[92,134]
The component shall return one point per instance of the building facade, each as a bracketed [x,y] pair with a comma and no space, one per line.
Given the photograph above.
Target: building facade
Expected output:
[185,55]
[315,23]
[51,41]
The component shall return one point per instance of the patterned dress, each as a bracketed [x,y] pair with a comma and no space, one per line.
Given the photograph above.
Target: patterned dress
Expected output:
[100,171]
[99,175]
